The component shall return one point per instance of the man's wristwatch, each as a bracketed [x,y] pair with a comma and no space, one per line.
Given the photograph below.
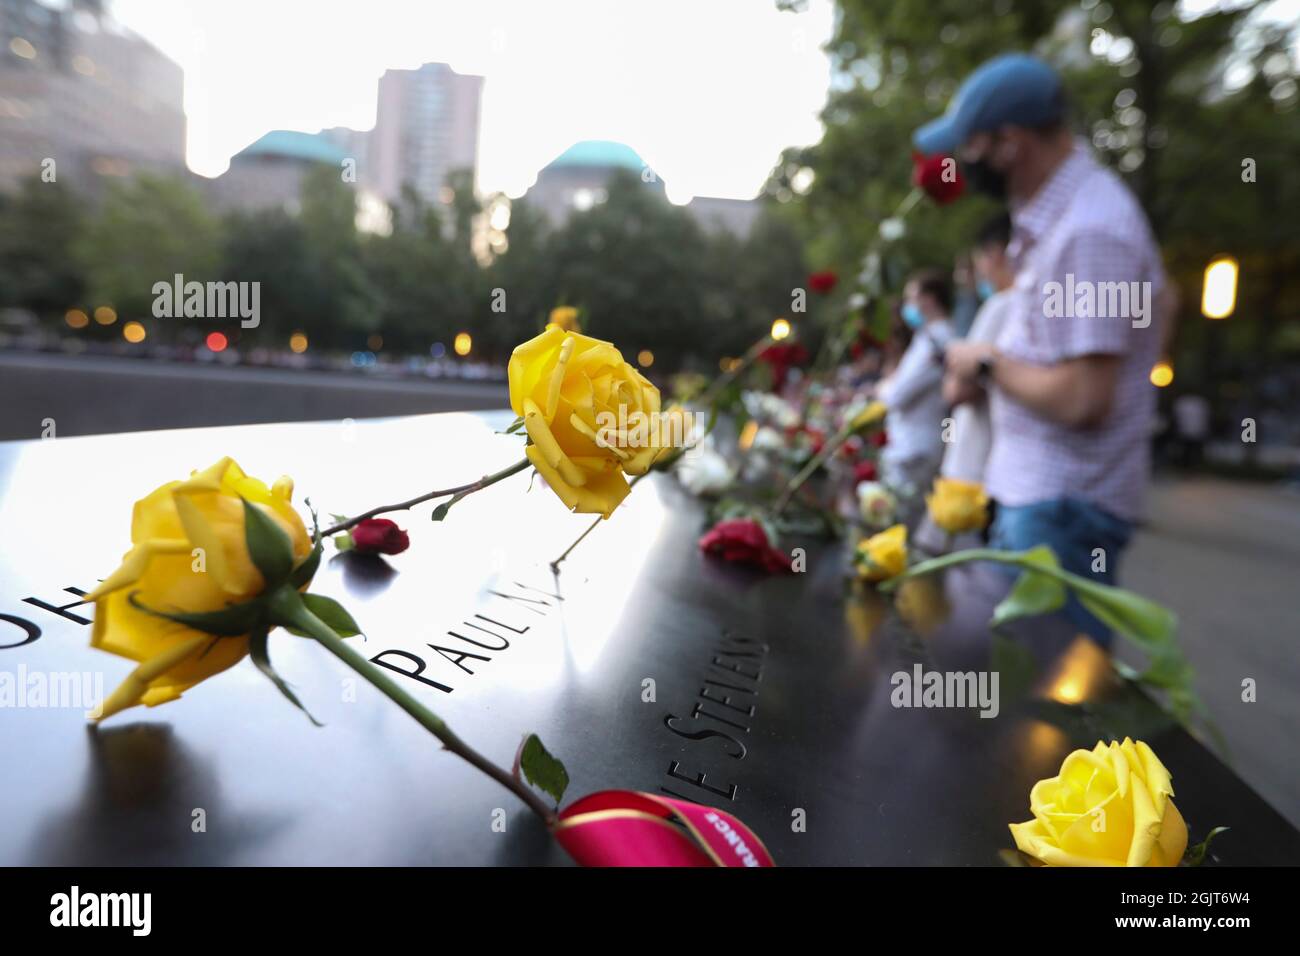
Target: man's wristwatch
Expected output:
[984,371]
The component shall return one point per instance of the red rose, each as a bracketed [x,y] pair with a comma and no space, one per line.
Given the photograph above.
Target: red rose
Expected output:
[823,282]
[938,176]
[864,471]
[880,439]
[743,541]
[782,356]
[379,536]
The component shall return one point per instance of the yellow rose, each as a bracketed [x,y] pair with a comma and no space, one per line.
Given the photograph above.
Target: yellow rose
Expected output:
[883,555]
[591,417]
[1108,806]
[958,506]
[868,416]
[188,554]
[565,317]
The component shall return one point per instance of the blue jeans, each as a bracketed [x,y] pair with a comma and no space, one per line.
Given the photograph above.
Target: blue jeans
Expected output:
[1073,529]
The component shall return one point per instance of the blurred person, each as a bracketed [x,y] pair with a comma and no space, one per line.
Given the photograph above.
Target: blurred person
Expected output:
[1071,405]
[1192,424]
[914,391]
[972,430]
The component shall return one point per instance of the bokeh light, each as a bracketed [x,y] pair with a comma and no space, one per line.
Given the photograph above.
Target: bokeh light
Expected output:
[134,332]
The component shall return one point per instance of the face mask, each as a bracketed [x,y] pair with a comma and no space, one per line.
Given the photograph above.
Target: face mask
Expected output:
[984,289]
[912,316]
[985,179]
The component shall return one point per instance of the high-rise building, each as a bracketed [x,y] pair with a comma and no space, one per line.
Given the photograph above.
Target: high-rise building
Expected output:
[78,88]
[426,126]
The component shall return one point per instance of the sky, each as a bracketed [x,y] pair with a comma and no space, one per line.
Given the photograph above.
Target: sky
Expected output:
[707,91]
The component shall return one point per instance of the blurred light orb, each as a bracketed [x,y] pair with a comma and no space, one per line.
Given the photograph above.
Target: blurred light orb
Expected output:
[645,358]
[1219,293]
[105,315]
[76,319]
[216,342]
[298,343]
[134,333]
[463,343]
[375,342]
[780,329]
[437,350]
[1162,375]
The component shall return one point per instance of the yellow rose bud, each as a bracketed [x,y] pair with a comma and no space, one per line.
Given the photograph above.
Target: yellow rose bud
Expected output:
[871,415]
[1108,806]
[564,317]
[188,554]
[883,555]
[958,506]
[591,418]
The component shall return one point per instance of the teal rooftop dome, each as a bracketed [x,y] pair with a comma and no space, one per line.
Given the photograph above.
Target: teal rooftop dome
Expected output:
[598,152]
[292,144]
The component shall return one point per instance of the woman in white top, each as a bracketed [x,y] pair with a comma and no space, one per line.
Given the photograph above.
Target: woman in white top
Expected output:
[972,431]
[914,391]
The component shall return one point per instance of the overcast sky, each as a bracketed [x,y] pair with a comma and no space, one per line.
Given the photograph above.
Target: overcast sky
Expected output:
[707,91]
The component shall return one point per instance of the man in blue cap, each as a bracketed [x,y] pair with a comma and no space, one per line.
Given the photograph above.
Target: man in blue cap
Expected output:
[1067,378]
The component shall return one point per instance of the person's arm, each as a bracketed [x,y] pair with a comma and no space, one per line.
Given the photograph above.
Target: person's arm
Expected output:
[959,391]
[1076,392]
[1075,385]
[917,374]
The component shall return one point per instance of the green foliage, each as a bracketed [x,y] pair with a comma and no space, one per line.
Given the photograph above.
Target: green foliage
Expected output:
[147,230]
[38,228]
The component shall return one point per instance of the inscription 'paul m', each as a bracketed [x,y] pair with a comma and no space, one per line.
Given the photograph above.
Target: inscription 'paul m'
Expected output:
[473,640]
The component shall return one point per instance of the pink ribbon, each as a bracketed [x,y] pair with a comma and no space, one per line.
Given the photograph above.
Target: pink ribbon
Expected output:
[628,828]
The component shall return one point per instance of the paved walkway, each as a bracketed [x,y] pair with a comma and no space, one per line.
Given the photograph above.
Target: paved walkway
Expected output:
[1226,557]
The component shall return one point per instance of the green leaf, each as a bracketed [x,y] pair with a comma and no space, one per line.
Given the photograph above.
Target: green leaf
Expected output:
[257,647]
[542,770]
[330,611]
[343,542]
[440,512]
[307,567]
[1195,855]
[268,546]
[1034,592]
[234,620]
[517,424]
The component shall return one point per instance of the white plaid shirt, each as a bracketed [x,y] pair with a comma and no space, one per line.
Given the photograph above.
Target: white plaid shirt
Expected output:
[1085,224]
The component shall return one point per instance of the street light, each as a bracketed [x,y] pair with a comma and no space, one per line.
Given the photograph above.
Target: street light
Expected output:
[1219,293]
[463,343]
[780,329]
[1162,374]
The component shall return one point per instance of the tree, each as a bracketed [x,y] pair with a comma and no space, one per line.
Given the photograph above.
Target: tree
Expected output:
[147,230]
[38,227]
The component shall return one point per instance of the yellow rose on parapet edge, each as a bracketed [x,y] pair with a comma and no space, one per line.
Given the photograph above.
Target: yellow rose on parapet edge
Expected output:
[1109,806]
[883,555]
[188,553]
[592,418]
[957,506]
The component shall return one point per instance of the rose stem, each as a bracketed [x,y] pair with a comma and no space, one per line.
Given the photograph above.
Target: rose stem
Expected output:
[459,491]
[836,440]
[289,606]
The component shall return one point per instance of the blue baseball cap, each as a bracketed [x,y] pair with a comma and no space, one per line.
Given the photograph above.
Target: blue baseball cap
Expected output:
[1013,89]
